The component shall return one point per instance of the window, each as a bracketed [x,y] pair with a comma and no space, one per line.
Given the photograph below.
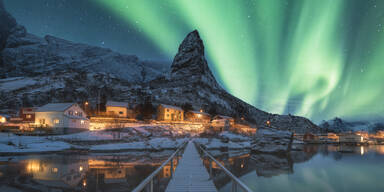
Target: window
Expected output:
[56,121]
[167,110]
[167,115]
[42,121]
[120,112]
[54,170]
[28,116]
[82,122]
[73,120]
[70,112]
[80,114]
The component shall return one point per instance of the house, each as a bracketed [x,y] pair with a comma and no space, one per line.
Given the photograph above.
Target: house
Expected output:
[328,138]
[61,115]
[350,138]
[169,113]
[28,114]
[222,121]
[310,138]
[197,116]
[117,109]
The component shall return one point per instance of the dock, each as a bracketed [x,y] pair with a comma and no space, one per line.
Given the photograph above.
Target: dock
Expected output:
[191,175]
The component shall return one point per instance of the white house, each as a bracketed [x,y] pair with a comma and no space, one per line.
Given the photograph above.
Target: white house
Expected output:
[61,115]
[119,109]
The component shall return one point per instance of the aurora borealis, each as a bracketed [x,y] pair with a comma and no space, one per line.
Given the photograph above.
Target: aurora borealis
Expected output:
[318,59]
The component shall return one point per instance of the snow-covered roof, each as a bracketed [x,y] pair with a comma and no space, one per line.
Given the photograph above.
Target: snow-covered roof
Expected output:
[117,104]
[171,107]
[54,107]
[198,112]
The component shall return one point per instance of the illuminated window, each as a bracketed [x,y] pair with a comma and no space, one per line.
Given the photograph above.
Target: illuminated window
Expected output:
[42,121]
[82,122]
[56,121]
[81,168]
[28,116]
[70,112]
[55,170]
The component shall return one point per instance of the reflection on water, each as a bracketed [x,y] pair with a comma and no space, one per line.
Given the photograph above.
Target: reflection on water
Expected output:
[314,168]
[81,173]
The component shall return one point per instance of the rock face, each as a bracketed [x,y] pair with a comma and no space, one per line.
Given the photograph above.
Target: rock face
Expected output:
[190,64]
[272,141]
[39,70]
[7,23]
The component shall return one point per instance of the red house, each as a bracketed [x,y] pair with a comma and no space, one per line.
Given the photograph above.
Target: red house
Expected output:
[28,114]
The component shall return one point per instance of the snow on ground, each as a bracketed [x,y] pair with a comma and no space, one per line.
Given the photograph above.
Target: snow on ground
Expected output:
[92,136]
[234,137]
[156,143]
[214,143]
[19,144]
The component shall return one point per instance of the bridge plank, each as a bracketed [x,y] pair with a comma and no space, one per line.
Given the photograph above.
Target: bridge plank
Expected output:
[191,175]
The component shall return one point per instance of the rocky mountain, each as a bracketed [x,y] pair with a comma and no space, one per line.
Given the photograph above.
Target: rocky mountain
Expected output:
[338,125]
[41,70]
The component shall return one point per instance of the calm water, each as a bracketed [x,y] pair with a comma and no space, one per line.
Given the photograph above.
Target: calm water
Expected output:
[97,172]
[317,168]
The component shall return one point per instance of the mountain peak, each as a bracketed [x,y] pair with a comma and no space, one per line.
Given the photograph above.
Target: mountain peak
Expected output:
[190,61]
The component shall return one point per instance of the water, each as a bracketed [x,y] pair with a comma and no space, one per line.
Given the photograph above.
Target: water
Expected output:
[317,168]
[94,172]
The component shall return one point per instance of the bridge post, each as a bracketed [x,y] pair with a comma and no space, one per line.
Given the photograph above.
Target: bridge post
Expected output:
[171,167]
[234,186]
[210,168]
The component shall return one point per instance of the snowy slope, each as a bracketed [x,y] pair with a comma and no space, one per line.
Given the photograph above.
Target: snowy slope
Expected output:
[338,125]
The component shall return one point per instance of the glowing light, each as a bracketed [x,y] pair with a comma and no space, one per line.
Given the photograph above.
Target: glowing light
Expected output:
[3,120]
[81,168]
[361,150]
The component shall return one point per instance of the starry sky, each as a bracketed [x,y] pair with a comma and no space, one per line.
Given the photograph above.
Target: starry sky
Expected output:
[318,59]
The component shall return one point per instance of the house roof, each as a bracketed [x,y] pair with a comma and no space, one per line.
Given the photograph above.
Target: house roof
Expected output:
[171,107]
[198,112]
[116,104]
[58,107]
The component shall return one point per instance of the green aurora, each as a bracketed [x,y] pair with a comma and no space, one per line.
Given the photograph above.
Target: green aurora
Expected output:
[318,59]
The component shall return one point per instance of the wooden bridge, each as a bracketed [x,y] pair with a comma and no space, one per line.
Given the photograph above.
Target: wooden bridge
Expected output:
[190,174]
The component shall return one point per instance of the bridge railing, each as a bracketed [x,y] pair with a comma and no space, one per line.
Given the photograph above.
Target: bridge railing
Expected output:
[236,183]
[147,183]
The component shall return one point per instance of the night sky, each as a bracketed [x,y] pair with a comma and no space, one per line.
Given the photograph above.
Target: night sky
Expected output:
[315,58]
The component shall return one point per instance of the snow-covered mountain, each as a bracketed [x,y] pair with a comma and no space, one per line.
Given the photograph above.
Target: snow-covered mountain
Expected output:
[338,125]
[41,70]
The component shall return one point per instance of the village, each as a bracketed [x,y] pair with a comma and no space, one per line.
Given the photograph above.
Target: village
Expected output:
[65,118]
[70,118]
